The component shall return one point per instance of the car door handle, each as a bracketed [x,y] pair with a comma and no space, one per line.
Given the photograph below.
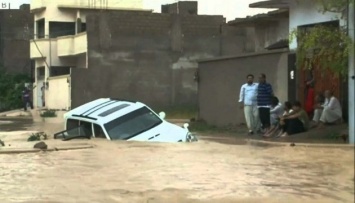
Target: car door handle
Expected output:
[154,136]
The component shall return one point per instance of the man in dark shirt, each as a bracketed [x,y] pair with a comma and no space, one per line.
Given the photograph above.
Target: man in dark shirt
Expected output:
[26,97]
[265,94]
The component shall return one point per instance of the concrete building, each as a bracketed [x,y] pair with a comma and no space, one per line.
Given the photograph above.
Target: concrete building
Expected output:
[306,14]
[266,52]
[265,31]
[16,28]
[60,43]
[302,14]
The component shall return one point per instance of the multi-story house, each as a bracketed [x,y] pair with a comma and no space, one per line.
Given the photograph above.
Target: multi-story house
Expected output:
[60,43]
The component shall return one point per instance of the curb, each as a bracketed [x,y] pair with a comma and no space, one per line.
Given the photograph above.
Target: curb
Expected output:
[20,151]
[262,143]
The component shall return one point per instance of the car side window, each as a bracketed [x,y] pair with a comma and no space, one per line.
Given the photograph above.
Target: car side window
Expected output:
[99,133]
[71,124]
[86,128]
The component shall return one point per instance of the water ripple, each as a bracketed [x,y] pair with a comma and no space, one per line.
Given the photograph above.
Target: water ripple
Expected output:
[144,171]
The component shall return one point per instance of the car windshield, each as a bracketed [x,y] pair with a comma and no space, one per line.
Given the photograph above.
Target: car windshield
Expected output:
[132,124]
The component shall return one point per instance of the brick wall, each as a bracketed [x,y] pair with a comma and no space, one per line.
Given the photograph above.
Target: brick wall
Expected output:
[184,7]
[16,27]
[146,56]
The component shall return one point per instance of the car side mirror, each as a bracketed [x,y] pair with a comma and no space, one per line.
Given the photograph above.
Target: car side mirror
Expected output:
[162,115]
[186,125]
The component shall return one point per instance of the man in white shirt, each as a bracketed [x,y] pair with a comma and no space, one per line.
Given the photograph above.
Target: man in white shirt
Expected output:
[247,98]
[330,111]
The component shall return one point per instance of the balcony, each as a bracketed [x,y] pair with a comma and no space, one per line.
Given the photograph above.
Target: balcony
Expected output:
[39,48]
[72,45]
[53,48]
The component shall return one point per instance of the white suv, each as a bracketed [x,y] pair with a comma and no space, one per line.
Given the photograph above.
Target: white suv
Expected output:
[116,119]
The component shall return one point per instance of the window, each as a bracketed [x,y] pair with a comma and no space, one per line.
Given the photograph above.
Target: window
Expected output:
[77,127]
[99,133]
[59,70]
[132,124]
[83,27]
[86,128]
[58,29]
[40,28]
[71,124]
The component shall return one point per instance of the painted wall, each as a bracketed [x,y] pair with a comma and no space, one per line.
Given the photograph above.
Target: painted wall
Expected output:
[220,82]
[58,93]
[307,12]
[72,45]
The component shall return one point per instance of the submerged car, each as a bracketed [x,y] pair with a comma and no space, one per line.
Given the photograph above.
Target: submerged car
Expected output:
[116,119]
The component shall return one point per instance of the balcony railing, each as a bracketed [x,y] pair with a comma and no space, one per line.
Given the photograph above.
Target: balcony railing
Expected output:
[72,45]
[39,48]
[59,47]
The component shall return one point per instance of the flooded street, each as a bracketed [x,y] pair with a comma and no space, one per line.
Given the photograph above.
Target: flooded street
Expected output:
[206,171]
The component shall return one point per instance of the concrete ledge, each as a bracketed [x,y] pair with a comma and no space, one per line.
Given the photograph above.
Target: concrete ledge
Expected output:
[263,143]
[62,148]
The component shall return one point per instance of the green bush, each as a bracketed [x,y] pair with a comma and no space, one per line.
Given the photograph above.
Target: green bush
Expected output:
[37,137]
[11,87]
[49,113]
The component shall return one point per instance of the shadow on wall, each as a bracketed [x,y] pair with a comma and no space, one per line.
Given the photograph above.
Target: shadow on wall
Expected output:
[220,81]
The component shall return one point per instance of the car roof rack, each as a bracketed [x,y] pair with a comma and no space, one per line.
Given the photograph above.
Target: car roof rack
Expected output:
[124,100]
[81,116]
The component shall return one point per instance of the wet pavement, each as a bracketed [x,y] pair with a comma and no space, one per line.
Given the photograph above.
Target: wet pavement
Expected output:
[11,124]
[212,170]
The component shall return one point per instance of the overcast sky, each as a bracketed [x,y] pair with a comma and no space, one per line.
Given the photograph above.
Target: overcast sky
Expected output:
[229,8]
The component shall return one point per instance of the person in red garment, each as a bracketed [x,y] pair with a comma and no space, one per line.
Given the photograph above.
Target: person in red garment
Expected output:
[309,99]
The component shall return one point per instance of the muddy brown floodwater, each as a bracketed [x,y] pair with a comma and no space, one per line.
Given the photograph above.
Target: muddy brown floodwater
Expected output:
[206,171]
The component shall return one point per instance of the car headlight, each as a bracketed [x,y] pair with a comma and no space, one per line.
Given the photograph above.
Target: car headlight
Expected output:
[191,137]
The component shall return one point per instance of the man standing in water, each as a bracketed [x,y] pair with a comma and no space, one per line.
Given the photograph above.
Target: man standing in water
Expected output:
[26,98]
[265,94]
[247,98]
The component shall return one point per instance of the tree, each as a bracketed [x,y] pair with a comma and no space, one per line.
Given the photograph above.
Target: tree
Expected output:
[328,45]
[11,86]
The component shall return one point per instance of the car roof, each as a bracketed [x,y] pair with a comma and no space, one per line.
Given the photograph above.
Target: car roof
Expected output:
[103,110]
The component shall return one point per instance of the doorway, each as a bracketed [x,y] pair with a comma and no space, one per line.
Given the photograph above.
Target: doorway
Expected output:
[40,87]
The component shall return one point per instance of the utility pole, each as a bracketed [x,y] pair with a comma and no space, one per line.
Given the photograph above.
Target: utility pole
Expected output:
[351,31]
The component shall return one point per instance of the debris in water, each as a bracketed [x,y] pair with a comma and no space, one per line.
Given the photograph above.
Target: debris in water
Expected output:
[40,145]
